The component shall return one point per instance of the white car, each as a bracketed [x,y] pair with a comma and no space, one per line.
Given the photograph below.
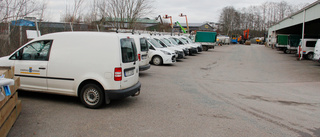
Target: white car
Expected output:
[160,55]
[179,51]
[94,66]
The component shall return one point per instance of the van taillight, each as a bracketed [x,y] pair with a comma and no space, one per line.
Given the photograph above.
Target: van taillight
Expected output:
[139,57]
[117,74]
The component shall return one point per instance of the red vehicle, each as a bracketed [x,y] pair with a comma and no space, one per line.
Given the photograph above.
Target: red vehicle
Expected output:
[245,36]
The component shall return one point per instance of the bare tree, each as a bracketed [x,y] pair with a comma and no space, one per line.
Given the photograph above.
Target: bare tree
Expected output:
[256,18]
[17,9]
[73,13]
[124,12]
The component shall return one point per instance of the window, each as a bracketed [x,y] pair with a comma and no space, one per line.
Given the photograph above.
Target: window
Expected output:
[128,50]
[161,43]
[311,43]
[35,51]
[155,43]
[143,44]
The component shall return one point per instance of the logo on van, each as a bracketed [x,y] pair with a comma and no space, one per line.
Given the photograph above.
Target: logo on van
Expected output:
[30,71]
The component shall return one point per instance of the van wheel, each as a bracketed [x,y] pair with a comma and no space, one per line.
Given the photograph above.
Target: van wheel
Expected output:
[310,56]
[157,60]
[286,51]
[92,96]
[204,48]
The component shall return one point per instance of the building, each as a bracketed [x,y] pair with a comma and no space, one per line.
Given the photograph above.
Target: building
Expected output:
[305,22]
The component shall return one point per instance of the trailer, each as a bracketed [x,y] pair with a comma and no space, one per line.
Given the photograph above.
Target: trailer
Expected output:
[206,39]
[282,42]
[288,43]
[293,43]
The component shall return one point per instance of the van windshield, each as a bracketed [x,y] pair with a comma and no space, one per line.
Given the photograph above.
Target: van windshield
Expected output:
[155,43]
[183,41]
[173,41]
[167,42]
[128,50]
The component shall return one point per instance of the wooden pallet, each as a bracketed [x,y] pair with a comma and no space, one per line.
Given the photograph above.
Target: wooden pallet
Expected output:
[10,106]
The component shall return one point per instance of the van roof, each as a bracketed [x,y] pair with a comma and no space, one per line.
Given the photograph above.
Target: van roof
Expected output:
[79,33]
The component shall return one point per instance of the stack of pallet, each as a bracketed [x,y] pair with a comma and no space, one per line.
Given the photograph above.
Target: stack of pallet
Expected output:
[10,106]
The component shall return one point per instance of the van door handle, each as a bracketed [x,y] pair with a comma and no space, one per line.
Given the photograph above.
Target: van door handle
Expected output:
[42,68]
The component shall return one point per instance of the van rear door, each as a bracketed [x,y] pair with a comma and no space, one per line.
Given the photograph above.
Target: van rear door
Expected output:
[130,64]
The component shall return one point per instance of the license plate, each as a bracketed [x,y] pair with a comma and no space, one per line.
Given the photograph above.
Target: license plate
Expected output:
[144,57]
[128,73]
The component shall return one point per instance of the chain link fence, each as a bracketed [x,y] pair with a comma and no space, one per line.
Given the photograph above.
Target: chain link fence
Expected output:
[13,37]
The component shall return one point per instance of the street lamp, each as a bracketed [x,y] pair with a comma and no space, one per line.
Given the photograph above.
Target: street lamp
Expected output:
[181,15]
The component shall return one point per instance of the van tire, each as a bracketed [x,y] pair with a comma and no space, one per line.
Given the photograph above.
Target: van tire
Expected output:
[157,60]
[310,56]
[91,96]
[286,51]
[204,48]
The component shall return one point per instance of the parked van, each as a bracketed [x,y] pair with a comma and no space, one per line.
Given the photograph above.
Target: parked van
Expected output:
[189,41]
[179,41]
[160,55]
[316,55]
[166,39]
[179,52]
[142,49]
[96,67]
[306,48]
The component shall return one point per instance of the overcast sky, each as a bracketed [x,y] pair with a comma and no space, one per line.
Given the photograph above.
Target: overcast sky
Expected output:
[197,11]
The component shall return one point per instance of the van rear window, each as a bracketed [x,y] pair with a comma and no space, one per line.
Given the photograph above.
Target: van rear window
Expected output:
[143,44]
[128,50]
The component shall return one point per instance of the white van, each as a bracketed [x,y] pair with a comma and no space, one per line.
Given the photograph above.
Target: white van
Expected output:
[306,48]
[167,40]
[189,41]
[192,48]
[160,55]
[97,67]
[142,49]
[316,55]
[179,52]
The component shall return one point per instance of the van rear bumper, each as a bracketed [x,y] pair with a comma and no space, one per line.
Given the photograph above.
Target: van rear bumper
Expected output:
[123,93]
[144,67]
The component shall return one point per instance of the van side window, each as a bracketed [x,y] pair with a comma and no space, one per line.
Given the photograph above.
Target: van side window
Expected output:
[150,47]
[311,43]
[128,50]
[35,51]
[143,44]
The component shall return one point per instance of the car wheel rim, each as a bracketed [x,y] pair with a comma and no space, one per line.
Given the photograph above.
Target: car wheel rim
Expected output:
[91,96]
[310,56]
[156,61]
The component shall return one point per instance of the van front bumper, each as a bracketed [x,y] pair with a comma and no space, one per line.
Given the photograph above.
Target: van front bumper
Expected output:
[123,93]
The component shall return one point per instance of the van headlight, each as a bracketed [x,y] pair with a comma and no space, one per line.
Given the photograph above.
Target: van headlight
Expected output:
[165,52]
